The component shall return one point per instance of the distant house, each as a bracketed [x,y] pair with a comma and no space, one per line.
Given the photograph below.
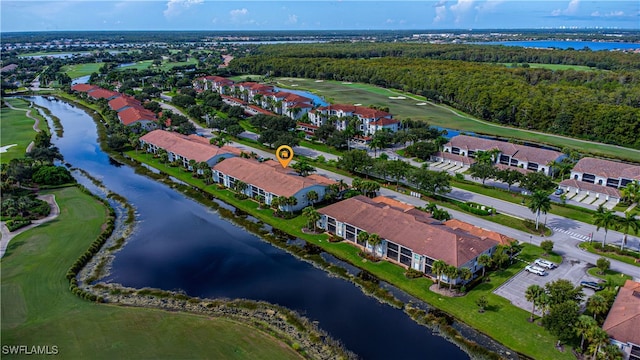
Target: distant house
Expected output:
[214,83]
[623,321]
[134,115]
[84,88]
[410,237]
[101,93]
[124,102]
[512,155]
[370,120]
[270,180]
[183,148]
[602,178]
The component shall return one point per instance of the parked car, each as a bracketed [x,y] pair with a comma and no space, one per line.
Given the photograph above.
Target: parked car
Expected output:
[558,192]
[535,270]
[545,264]
[591,285]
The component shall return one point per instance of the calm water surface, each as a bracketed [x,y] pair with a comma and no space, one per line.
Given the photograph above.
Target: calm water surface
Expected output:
[179,244]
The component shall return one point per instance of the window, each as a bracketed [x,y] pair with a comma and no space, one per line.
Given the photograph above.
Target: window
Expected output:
[405,260]
[331,221]
[589,178]
[405,251]
[532,166]
[392,254]
[392,246]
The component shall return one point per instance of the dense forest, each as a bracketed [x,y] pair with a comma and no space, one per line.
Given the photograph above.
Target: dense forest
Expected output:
[595,105]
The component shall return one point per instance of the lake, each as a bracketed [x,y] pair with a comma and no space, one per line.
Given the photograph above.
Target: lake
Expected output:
[577,45]
[179,244]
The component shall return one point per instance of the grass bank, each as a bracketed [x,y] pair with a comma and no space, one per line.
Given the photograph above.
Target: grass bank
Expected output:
[17,128]
[78,70]
[613,277]
[419,108]
[38,308]
[502,321]
[612,252]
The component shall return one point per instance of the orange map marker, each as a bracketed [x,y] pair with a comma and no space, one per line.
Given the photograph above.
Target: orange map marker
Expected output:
[284,155]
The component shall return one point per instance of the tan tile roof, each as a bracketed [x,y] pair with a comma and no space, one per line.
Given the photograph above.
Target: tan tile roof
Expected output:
[393,203]
[607,168]
[454,246]
[514,168]
[453,157]
[363,111]
[131,115]
[267,176]
[184,146]
[520,152]
[478,231]
[623,320]
[601,189]
[100,93]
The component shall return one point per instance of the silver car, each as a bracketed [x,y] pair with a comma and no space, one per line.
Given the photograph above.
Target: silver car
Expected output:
[535,270]
[545,264]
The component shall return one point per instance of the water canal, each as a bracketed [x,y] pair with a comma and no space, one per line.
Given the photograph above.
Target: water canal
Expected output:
[179,244]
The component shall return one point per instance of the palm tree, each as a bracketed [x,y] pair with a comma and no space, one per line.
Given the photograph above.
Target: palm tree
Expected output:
[163,155]
[312,216]
[631,192]
[484,260]
[584,326]
[276,202]
[374,240]
[606,219]
[532,294]
[539,203]
[598,305]
[438,268]
[465,274]
[291,202]
[626,224]
[363,236]
[240,186]
[192,165]
[375,144]
[312,197]
[208,175]
[452,273]
[597,338]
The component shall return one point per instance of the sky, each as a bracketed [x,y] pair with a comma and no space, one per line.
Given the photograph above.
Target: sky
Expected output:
[224,15]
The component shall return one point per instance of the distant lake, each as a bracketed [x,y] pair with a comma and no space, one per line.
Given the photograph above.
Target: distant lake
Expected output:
[577,45]
[317,100]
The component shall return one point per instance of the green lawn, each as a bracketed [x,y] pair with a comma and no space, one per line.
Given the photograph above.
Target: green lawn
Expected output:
[502,321]
[441,115]
[554,66]
[38,308]
[17,128]
[613,277]
[611,255]
[165,66]
[78,70]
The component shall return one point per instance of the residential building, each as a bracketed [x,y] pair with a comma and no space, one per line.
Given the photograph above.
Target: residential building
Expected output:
[623,321]
[369,120]
[218,84]
[183,148]
[508,154]
[100,93]
[124,102]
[600,178]
[138,115]
[410,237]
[270,180]
[84,88]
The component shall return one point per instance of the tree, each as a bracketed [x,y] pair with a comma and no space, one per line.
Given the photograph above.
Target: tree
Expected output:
[631,192]
[312,196]
[486,157]
[539,202]
[303,168]
[440,214]
[611,352]
[192,165]
[465,274]
[485,261]
[597,338]
[431,182]
[482,303]
[584,326]
[606,219]
[499,257]
[240,186]
[374,240]
[219,140]
[628,223]
[597,305]
[561,320]
[163,155]
[312,215]
[208,175]
[362,238]
[533,294]
[291,201]
[452,273]
[547,246]
[355,161]
[509,177]
[537,181]
[398,169]
[562,290]
[438,268]
[482,171]
[603,265]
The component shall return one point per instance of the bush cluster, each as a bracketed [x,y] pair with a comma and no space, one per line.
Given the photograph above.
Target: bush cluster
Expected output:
[617,250]
[16,223]
[476,209]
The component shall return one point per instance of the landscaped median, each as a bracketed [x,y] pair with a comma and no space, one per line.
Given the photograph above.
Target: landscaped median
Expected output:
[501,320]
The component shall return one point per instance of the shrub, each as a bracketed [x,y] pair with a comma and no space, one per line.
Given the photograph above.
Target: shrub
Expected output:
[413,274]
[547,246]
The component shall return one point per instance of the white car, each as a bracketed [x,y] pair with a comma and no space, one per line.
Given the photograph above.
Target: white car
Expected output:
[545,264]
[535,270]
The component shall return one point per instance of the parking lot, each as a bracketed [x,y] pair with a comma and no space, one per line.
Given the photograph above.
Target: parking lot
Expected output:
[572,270]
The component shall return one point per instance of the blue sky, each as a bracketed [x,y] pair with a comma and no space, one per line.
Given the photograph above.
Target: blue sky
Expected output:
[42,15]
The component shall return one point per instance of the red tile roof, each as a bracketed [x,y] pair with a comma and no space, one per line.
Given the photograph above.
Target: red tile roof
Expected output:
[453,157]
[363,111]
[478,231]
[623,320]
[84,87]
[186,146]
[437,241]
[514,168]
[607,168]
[123,101]
[520,152]
[100,93]
[384,122]
[601,189]
[131,115]
[268,177]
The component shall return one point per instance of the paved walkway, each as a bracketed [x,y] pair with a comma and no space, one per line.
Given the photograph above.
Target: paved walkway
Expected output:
[566,236]
[7,235]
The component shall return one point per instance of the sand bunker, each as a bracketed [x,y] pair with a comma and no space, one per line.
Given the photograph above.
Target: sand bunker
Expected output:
[319,80]
[346,83]
[4,149]
[358,104]
[397,97]
[421,104]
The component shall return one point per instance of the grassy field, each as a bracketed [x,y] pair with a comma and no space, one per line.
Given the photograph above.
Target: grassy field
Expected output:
[441,115]
[17,128]
[613,277]
[165,66]
[554,66]
[78,70]
[38,308]
[502,321]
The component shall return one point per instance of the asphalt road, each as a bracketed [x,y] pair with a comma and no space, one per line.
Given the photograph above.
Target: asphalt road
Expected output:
[567,233]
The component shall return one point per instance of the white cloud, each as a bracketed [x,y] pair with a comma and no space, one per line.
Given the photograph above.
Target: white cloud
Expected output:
[293,19]
[609,14]
[441,11]
[238,12]
[571,9]
[488,5]
[175,7]
[461,8]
